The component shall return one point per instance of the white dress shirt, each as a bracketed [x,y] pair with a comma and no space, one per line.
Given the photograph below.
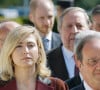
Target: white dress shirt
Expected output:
[86,86]
[69,61]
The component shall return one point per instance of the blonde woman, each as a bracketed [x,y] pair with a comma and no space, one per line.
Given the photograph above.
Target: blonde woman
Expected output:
[23,63]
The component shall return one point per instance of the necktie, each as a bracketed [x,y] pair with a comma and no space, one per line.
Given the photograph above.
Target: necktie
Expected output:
[76,70]
[46,44]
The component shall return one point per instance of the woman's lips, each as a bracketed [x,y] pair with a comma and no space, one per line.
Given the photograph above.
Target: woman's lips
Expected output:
[26,58]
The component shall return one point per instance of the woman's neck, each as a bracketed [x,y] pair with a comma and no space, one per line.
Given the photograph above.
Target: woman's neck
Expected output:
[26,85]
[24,74]
[25,78]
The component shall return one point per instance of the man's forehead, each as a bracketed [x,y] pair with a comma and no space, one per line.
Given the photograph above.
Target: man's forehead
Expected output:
[95,42]
[8,26]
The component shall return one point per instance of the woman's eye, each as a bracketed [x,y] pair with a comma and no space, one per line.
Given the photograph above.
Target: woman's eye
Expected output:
[31,45]
[18,46]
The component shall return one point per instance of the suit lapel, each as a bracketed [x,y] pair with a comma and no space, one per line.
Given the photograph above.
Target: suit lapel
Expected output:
[55,41]
[81,87]
[52,41]
[61,67]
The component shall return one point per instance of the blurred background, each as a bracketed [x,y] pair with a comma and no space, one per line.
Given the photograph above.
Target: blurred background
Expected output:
[18,10]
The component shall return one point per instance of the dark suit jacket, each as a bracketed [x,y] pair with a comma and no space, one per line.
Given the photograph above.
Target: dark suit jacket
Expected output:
[57,64]
[55,84]
[79,87]
[73,82]
[56,40]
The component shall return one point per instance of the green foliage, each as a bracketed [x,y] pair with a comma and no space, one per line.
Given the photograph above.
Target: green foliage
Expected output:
[10,3]
[20,20]
[86,4]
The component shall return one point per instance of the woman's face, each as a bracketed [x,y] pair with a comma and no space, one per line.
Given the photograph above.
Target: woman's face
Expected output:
[25,53]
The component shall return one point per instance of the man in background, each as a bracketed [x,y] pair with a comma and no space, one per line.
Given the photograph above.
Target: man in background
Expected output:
[42,16]
[62,5]
[95,16]
[87,57]
[5,28]
[60,60]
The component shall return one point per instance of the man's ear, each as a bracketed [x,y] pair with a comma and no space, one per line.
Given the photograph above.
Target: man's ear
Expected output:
[77,61]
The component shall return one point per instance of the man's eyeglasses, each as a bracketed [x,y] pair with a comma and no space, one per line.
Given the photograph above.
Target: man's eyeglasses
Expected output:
[93,62]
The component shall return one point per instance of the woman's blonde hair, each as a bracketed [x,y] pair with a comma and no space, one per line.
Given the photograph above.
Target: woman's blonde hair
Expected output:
[6,65]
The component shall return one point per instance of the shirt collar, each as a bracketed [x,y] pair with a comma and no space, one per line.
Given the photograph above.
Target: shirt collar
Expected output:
[87,87]
[67,52]
[81,76]
[48,36]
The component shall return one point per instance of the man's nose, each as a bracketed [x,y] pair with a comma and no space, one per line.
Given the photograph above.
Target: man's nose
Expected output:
[98,65]
[46,21]
[75,29]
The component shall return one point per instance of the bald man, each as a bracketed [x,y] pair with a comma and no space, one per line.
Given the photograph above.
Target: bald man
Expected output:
[5,28]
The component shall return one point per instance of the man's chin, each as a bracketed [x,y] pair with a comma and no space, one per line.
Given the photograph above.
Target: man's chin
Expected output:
[70,47]
[45,31]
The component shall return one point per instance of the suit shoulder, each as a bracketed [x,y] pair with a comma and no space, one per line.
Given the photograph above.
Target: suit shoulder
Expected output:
[57,35]
[54,51]
[76,80]
[79,87]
